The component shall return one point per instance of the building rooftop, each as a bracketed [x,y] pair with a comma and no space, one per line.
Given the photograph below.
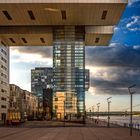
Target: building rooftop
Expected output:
[31,22]
[63,1]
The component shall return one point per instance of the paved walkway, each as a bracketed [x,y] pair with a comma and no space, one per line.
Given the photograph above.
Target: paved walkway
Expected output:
[67,133]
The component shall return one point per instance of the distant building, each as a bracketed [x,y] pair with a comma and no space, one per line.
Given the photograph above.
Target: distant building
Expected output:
[47,102]
[23,102]
[41,79]
[4,80]
[29,104]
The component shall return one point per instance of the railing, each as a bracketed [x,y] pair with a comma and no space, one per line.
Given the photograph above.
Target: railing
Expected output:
[112,113]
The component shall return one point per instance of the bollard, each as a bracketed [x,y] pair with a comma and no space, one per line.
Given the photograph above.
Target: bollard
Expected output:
[124,124]
[138,126]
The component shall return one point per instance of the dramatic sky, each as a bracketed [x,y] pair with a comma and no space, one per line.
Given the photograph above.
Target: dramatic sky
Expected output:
[112,68]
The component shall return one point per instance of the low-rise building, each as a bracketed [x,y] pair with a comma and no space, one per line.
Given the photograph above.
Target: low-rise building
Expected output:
[14,102]
[23,102]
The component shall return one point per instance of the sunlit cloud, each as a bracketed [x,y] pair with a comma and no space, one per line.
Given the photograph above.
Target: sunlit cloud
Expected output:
[102,73]
[23,59]
[22,81]
[18,57]
[44,51]
[92,90]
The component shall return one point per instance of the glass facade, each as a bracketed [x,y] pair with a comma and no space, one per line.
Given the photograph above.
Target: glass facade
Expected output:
[69,70]
[41,79]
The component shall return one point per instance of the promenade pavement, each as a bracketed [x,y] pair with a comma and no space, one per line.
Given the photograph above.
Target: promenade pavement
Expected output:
[67,133]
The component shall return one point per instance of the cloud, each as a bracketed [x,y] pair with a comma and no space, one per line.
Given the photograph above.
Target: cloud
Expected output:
[134,23]
[137,47]
[23,59]
[113,80]
[128,25]
[115,45]
[43,51]
[132,2]
[116,28]
[33,55]
[113,69]
[115,55]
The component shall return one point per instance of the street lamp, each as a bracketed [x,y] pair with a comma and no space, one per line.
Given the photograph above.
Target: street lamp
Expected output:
[90,113]
[64,113]
[93,112]
[108,110]
[93,108]
[131,91]
[98,109]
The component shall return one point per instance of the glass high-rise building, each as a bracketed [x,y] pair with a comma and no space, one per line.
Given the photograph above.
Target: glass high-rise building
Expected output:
[69,70]
[41,79]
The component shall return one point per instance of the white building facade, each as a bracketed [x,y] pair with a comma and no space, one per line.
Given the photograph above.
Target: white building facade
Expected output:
[4,80]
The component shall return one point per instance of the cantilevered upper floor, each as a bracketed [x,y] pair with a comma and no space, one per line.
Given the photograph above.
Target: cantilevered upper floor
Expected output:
[98,17]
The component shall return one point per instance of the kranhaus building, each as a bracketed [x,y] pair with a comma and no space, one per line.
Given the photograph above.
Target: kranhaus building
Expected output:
[69,26]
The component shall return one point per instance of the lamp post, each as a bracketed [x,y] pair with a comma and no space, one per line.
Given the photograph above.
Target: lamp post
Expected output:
[131,104]
[98,106]
[108,110]
[64,113]
[93,110]
[38,106]
[90,113]
[88,110]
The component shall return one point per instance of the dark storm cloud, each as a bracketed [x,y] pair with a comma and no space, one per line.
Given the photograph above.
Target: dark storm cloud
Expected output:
[122,68]
[113,56]
[123,78]
[42,50]
[118,86]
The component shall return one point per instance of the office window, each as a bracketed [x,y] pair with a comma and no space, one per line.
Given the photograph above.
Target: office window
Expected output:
[3,106]
[3,91]
[3,67]
[3,59]
[4,83]
[31,14]
[12,40]
[3,99]
[7,15]
[104,14]
[3,51]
